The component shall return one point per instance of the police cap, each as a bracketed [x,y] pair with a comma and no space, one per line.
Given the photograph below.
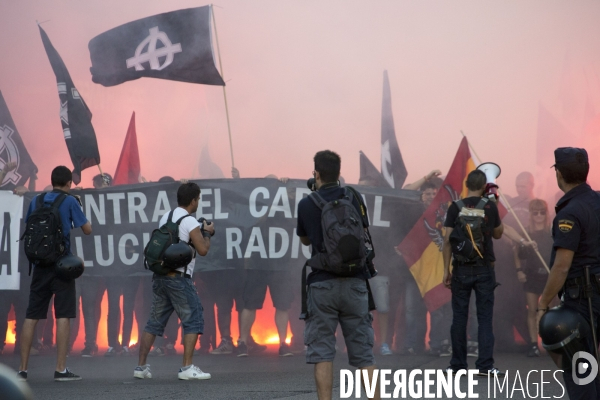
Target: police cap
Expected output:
[569,155]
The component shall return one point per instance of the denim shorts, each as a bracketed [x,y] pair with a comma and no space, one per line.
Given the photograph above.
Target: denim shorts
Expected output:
[344,301]
[175,293]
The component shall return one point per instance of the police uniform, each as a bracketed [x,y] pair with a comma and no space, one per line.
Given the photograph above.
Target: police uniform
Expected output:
[576,227]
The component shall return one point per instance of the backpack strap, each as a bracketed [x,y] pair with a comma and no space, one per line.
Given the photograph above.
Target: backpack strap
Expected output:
[181,219]
[303,290]
[482,203]
[361,203]
[39,203]
[317,199]
[460,204]
[59,200]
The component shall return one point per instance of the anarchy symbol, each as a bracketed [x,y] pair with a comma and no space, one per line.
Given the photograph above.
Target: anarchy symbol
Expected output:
[153,54]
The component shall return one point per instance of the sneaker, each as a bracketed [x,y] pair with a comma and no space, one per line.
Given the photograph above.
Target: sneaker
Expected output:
[157,352]
[446,351]
[491,372]
[111,352]
[534,351]
[89,351]
[192,372]
[142,372]
[170,350]
[66,376]
[284,350]
[384,350]
[22,376]
[225,347]
[125,351]
[242,349]
[473,351]
[408,351]
[254,347]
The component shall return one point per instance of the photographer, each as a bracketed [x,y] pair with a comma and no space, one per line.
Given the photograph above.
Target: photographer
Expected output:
[333,299]
[175,291]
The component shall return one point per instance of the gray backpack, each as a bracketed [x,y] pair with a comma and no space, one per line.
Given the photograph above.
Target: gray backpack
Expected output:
[344,251]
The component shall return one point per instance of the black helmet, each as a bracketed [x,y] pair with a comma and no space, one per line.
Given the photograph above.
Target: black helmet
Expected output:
[69,267]
[564,332]
[11,387]
[178,255]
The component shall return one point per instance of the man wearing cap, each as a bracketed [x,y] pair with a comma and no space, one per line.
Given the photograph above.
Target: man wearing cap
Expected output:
[576,234]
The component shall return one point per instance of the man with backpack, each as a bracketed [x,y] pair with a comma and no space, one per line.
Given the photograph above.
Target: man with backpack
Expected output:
[470,224]
[173,289]
[337,286]
[50,218]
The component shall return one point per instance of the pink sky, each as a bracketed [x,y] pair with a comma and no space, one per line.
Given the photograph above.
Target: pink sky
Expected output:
[307,75]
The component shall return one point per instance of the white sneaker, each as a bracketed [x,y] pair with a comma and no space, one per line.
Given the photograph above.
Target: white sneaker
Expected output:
[142,372]
[192,372]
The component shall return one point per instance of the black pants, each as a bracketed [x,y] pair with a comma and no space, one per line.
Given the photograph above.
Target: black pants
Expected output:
[592,390]
[222,288]
[92,290]
[115,287]
[482,281]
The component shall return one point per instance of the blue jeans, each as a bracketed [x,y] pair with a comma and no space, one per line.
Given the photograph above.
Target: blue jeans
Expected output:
[175,293]
[482,280]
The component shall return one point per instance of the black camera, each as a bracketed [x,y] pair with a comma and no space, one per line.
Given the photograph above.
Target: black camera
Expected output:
[311,183]
[203,221]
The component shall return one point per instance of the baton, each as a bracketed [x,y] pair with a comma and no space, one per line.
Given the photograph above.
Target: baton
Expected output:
[589,294]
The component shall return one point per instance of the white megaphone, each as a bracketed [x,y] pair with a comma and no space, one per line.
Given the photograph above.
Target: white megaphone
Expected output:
[491,171]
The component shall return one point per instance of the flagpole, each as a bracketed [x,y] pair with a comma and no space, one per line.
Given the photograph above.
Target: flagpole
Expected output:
[224,91]
[510,209]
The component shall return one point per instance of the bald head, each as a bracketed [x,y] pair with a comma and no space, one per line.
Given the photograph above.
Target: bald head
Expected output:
[524,184]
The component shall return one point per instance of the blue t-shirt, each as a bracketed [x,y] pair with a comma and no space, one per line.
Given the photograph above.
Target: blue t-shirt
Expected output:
[309,224]
[70,213]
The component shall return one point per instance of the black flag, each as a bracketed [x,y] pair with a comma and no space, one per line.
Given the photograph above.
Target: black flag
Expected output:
[392,165]
[12,149]
[369,175]
[75,116]
[175,45]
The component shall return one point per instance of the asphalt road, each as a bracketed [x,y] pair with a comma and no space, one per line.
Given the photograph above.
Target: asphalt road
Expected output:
[265,376]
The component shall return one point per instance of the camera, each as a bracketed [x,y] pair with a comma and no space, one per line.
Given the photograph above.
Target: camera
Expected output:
[203,221]
[311,183]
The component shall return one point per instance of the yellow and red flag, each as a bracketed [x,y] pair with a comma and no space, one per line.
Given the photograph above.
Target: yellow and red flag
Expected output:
[422,247]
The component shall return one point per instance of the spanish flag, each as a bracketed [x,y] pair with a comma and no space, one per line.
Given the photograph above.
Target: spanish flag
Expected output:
[422,247]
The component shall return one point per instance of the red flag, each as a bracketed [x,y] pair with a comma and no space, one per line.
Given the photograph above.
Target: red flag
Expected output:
[128,169]
[422,247]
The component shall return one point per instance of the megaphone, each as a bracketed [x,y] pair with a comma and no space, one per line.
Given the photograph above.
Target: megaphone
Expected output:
[491,171]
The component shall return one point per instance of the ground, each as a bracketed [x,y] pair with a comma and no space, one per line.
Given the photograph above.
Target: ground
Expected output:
[265,376]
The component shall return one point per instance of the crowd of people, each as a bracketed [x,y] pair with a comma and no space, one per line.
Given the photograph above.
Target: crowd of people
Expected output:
[520,262]
[401,316]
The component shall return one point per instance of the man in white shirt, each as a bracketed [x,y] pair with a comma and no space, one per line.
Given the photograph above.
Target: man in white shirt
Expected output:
[175,291]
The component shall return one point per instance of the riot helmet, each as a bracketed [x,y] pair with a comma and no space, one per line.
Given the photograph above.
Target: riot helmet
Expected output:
[564,333]
[11,387]
[69,267]
[178,255]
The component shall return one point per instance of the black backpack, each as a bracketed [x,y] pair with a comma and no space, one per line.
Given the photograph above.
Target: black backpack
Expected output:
[467,237]
[344,251]
[44,240]
[160,240]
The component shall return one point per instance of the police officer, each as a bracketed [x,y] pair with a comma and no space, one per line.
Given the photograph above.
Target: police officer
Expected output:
[576,234]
